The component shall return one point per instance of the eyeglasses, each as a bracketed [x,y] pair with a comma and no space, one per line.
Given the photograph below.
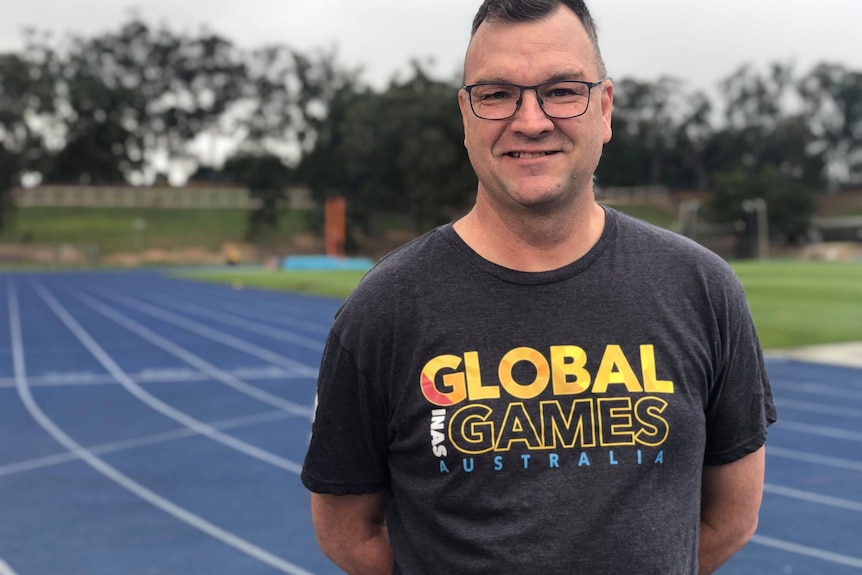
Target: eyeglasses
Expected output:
[561,100]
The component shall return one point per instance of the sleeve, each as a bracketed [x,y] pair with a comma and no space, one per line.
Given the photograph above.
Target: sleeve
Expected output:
[348,451]
[740,406]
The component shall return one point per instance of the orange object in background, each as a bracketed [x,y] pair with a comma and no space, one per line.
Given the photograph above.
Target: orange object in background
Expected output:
[335,226]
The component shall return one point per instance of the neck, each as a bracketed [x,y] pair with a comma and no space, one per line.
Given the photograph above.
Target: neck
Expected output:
[532,240]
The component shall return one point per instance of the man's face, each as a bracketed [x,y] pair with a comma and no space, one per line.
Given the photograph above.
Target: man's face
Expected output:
[531,160]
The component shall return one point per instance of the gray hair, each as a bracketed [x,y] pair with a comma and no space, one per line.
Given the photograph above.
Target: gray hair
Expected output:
[530,10]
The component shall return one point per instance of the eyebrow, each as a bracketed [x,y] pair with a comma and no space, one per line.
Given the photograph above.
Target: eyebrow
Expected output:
[558,77]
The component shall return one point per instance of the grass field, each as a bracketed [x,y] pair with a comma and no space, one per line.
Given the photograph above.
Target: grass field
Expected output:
[338,283]
[113,229]
[793,303]
[802,303]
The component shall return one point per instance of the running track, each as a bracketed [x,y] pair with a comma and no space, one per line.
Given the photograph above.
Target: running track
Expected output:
[155,426]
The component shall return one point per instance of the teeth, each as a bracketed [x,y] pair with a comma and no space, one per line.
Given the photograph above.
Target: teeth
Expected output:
[526,156]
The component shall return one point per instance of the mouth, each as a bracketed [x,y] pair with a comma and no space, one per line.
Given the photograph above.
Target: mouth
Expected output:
[529,155]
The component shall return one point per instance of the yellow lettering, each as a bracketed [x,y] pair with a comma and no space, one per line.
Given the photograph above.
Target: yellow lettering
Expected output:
[530,390]
[454,385]
[569,361]
[471,424]
[568,430]
[615,421]
[651,381]
[517,427]
[654,428]
[615,368]
[475,389]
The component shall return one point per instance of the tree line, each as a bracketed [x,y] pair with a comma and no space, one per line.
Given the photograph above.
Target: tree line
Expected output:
[140,102]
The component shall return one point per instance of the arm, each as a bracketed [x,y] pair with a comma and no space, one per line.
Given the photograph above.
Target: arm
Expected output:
[351,531]
[730,502]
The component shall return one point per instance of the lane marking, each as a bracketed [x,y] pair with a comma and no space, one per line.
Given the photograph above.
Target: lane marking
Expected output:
[167,375]
[820,389]
[254,327]
[291,320]
[5,569]
[184,515]
[153,402]
[820,430]
[826,460]
[135,443]
[819,408]
[209,333]
[813,497]
[808,551]
[196,361]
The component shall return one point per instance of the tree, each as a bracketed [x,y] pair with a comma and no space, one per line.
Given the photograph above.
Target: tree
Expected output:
[660,132]
[25,98]
[132,102]
[790,202]
[266,177]
[832,99]
[764,151]
[399,150]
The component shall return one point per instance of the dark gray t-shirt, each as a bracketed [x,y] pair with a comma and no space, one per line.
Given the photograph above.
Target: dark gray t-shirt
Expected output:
[550,423]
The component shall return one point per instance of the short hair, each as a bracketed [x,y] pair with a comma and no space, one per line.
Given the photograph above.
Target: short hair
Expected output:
[530,10]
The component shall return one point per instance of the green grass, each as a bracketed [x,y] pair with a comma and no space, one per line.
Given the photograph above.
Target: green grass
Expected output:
[112,230]
[662,217]
[798,303]
[793,303]
[332,283]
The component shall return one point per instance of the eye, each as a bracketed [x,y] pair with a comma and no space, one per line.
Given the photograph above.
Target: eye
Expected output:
[564,90]
[491,93]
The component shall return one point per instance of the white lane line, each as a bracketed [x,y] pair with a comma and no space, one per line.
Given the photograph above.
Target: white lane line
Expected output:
[819,408]
[810,497]
[168,375]
[5,569]
[833,432]
[808,551]
[252,326]
[136,390]
[209,333]
[196,361]
[129,444]
[283,313]
[112,473]
[819,389]
[814,458]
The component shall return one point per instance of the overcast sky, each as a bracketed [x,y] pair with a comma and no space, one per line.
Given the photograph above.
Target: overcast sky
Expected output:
[699,41]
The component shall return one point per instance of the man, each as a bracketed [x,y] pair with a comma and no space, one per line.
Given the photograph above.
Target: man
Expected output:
[546,385]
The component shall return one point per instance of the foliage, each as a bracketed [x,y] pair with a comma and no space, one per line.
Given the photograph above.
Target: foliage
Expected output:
[266,177]
[400,150]
[789,201]
[144,102]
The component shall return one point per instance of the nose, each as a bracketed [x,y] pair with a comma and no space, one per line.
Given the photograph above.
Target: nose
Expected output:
[529,118]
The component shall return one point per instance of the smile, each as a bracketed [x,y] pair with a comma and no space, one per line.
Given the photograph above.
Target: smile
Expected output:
[529,155]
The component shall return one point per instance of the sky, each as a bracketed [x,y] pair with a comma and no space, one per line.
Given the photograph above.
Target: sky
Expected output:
[698,41]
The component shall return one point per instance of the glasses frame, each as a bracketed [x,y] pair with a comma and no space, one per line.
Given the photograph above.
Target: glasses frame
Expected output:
[590,85]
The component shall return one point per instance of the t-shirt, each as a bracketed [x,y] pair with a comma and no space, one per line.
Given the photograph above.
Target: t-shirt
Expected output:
[552,422]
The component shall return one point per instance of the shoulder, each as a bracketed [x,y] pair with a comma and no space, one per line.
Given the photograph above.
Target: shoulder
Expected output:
[667,250]
[393,284]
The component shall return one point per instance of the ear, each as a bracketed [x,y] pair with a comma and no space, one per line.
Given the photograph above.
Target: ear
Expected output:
[607,101]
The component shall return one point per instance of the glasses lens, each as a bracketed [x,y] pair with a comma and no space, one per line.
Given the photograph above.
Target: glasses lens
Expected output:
[494,101]
[564,99]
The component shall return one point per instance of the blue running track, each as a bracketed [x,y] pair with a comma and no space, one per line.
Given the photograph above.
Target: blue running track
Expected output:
[150,426]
